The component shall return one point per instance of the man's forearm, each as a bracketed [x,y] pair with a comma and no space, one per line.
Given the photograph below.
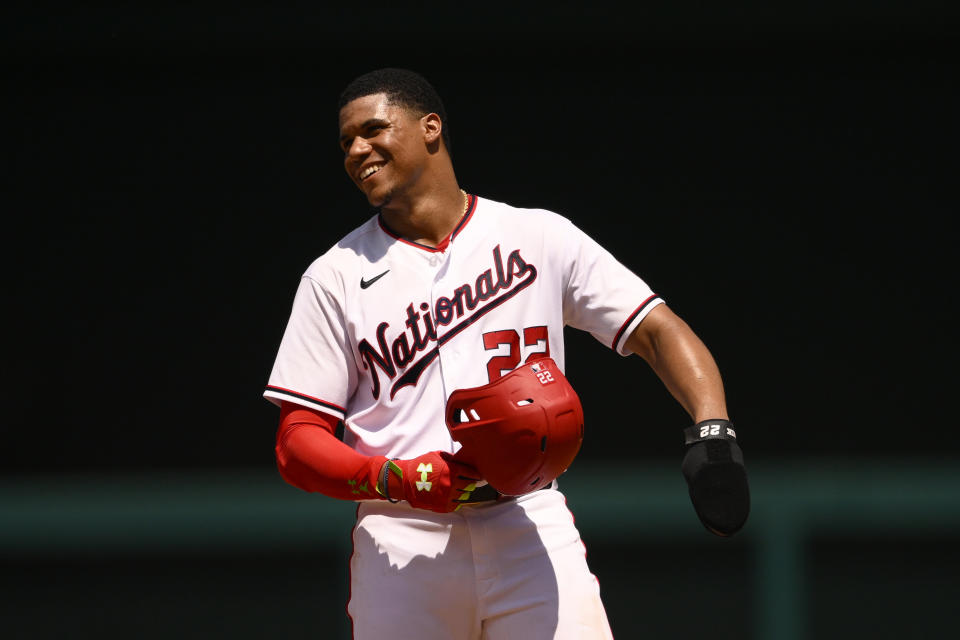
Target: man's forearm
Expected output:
[682,362]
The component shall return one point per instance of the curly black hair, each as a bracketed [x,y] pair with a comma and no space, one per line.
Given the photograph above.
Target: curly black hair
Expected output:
[403,87]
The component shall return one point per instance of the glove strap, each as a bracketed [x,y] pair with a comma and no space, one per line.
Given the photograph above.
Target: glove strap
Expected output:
[383,485]
[717,429]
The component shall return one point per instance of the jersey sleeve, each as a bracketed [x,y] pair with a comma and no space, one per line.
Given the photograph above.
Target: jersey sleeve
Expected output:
[602,296]
[313,367]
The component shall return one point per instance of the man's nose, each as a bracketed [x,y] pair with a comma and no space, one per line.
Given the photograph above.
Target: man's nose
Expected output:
[358,147]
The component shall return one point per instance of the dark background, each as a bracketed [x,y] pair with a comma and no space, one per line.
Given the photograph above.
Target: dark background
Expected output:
[783,178]
[783,174]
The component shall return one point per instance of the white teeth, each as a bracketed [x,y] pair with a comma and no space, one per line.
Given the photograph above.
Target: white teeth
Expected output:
[369,171]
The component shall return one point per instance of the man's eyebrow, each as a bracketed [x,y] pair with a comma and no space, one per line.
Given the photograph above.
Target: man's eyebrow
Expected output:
[366,123]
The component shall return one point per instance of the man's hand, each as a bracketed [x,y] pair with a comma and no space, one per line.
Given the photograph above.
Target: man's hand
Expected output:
[716,476]
[434,481]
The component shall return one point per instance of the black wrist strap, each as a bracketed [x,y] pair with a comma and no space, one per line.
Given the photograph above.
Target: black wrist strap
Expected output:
[717,429]
[383,486]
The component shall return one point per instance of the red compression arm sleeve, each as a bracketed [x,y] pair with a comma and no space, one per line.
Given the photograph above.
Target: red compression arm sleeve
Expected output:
[311,458]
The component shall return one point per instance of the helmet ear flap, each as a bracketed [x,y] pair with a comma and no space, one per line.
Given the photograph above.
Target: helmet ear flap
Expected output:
[520,431]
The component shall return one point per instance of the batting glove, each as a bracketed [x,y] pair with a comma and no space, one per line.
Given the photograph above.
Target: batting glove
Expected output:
[434,481]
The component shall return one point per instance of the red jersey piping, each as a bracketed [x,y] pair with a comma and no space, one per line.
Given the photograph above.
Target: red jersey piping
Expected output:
[302,396]
[623,327]
[471,207]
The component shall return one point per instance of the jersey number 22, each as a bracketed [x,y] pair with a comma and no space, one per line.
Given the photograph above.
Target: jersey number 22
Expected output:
[535,344]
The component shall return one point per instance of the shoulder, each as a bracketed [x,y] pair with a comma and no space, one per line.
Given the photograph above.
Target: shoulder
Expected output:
[346,257]
[534,218]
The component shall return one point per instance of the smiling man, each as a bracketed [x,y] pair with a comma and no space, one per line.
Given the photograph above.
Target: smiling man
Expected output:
[434,332]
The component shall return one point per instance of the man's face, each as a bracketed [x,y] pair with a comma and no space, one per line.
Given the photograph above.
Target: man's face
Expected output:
[383,145]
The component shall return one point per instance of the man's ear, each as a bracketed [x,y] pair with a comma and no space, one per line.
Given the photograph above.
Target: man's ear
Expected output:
[432,128]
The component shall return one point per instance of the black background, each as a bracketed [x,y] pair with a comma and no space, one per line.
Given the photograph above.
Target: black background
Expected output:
[783,175]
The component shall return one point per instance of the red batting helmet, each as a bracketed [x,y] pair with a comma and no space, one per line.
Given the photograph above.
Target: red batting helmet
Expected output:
[521,431]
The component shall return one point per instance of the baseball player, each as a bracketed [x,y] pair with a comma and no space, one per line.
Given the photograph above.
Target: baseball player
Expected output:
[444,291]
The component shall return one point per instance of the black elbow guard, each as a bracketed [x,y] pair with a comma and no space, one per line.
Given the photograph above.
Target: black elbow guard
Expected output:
[714,470]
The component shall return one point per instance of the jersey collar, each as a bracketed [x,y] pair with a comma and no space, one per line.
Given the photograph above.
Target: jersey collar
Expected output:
[471,207]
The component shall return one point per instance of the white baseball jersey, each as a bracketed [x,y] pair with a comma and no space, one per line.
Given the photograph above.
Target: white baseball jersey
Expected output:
[383,330]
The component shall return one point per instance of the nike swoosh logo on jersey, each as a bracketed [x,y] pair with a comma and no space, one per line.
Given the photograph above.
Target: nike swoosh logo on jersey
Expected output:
[366,283]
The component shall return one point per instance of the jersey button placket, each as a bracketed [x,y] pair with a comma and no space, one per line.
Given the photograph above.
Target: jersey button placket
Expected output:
[447,356]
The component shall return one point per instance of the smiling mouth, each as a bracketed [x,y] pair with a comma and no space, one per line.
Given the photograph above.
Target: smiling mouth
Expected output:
[369,171]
